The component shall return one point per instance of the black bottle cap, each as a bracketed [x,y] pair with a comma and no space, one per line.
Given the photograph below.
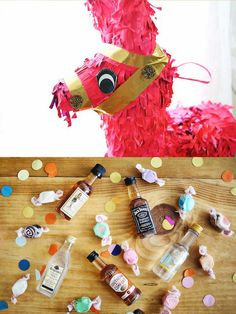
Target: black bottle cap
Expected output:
[130,180]
[138,311]
[98,170]
[92,256]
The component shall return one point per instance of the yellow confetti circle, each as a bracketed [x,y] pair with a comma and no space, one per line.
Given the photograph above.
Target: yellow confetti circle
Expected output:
[115,177]
[156,162]
[197,161]
[110,206]
[234,277]
[233,191]
[37,164]
[166,225]
[23,175]
[28,212]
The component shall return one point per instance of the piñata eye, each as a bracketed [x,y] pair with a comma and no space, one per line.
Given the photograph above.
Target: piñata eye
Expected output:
[107,81]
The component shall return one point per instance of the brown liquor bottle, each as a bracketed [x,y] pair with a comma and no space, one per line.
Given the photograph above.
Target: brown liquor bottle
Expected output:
[79,194]
[140,210]
[115,279]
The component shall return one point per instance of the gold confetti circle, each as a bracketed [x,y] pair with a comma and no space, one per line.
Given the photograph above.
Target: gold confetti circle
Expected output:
[110,206]
[156,162]
[37,164]
[234,277]
[28,212]
[166,225]
[23,175]
[115,177]
[233,191]
[197,161]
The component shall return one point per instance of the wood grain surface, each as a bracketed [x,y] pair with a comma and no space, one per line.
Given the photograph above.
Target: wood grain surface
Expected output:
[83,278]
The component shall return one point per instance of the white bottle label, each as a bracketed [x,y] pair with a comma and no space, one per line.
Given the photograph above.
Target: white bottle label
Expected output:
[52,278]
[73,204]
[119,283]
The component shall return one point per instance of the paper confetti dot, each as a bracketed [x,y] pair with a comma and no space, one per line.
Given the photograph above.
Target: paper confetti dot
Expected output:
[105,253]
[233,191]
[37,164]
[227,176]
[189,272]
[110,206]
[23,175]
[21,241]
[208,300]
[53,249]
[51,169]
[115,177]
[115,249]
[234,277]
[187,282]
[197,161]
[3,305]
[50,218]
[37,275]
[6,190]
[166,225]
[42,269]
[28,212]
[156,162]
[24,264]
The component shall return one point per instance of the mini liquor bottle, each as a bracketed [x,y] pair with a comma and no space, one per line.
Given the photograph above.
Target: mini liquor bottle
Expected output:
[56,269]
[115,279]
[79,194]
[140,210]
[176,255]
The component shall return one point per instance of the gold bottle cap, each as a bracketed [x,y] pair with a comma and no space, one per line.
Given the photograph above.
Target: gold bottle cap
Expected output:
[197,228]
[71,239]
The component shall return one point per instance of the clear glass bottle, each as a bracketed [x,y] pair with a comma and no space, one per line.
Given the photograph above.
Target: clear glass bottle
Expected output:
[176,255]
[140,210]
[56,269]
[115,279]
[79,194]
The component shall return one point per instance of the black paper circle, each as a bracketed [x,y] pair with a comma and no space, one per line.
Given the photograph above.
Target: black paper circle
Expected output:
[106,79]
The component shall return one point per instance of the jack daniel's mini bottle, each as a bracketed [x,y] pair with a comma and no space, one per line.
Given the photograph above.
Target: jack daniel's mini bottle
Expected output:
[79,194]
[140,210]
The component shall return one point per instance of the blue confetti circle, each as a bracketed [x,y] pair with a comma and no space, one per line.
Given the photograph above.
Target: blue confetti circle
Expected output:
[6,190]
[115,249]
[24,264]
[21,241]
[3,305]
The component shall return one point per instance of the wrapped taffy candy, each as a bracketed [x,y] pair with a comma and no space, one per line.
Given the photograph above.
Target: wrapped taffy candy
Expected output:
[32,231]
[130,257]
[84,304]
[220,222]
[102,230]
[19,288]
[206,261]
[149,176]
[186,202]
[46,197]
[170,300]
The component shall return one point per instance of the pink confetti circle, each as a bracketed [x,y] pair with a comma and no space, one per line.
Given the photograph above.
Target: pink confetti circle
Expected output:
[187,282]
[208,300]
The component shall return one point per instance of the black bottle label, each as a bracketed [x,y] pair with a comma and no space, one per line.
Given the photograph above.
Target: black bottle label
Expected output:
[143,219]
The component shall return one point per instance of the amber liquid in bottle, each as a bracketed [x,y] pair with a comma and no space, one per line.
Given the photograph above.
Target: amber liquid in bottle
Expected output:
[140,210]
[115,279]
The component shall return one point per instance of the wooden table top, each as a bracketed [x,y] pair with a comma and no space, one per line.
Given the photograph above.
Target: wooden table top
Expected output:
[82,278]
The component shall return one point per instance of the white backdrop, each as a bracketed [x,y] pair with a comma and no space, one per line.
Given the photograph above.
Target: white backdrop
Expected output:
[41,41]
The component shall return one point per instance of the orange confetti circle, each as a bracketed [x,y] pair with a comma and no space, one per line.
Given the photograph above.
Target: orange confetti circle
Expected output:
[50,218]
[51,169]
[189,272]
[53,249]
[42,269]
[227,176]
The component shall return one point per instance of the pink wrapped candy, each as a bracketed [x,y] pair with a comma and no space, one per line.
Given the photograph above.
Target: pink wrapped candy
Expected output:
[149,176]
[220,222]
[130,257]
[170,300]
[206,261]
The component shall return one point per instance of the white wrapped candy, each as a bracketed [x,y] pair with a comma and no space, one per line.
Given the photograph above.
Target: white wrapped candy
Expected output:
[206,261]
[46,197]
[32,231]
[149,176]
[19,288]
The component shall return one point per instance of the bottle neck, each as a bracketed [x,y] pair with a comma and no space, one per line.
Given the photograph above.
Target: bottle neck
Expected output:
[189,238]
[99,264]
[67,245]
[133,192]
[90,179]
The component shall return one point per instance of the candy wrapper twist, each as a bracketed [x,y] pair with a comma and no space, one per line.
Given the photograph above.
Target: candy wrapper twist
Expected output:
[46,197]
[170,300]
[84,304]
[130,257]
[149,176]
[19,288]
[32,231]
[220,222]
[186,202]
[102,230]
[206,261]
